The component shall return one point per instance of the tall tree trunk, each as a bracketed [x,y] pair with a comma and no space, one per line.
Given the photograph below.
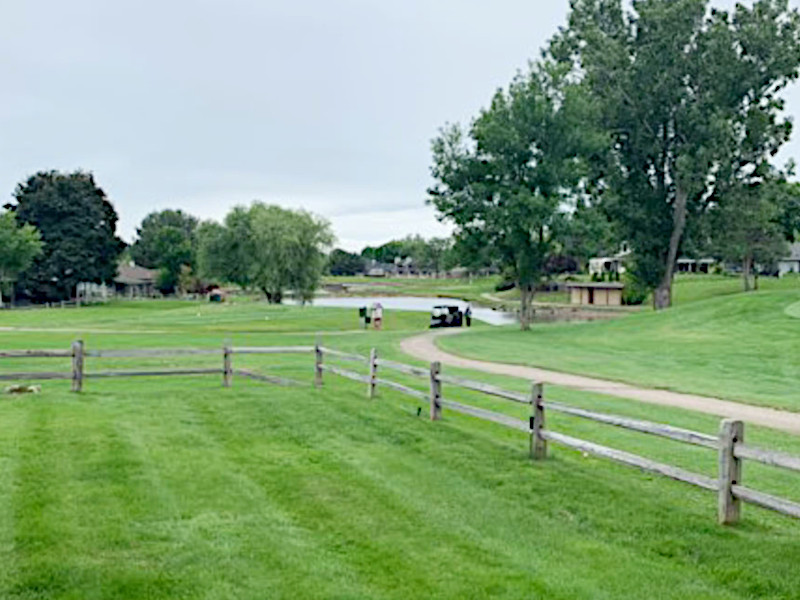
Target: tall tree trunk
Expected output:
[662,297]
[747,264]
[525,310]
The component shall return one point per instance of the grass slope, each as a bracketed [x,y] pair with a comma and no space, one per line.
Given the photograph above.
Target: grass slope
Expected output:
[742,347]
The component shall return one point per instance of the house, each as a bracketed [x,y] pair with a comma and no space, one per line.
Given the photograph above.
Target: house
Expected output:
[595,293]
[133,281]
[791,263]
[610,264]
[405,266]
[689,265]
[88,292]
[378,269]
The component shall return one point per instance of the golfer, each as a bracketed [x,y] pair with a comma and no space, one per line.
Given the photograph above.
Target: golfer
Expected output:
[377,315]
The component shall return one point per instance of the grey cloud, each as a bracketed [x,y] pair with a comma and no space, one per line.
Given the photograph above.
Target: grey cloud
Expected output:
[325,104]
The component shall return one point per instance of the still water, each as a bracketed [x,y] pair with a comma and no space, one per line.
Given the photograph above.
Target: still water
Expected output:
[416,304]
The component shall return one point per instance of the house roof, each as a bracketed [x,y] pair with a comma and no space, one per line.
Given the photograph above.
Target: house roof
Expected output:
[603,285]
[135,275]
[691,261]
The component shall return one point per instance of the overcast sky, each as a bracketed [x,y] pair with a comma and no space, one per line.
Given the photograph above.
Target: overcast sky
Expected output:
[329,105]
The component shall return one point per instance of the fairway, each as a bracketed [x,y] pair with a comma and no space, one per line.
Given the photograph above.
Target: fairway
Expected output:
[179,488]
[737,346]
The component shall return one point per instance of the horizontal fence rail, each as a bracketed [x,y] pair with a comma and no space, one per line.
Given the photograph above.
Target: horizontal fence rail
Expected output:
[488,415]
[345,355]
[402,388]
[273,350]
[266,378]
[35,353]
[78,353]
[632,460]
[346,373]
[767,501]
[150,373]
[667,431]
[34,376]
[485,388]
[402,368]
[729,443]
[767,457]
[149,352]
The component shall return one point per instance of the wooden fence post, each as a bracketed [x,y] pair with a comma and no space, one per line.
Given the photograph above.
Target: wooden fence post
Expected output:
[373,373]
[317,364]
[77,365]
[538,443]
[227,367]
[731,432]
[436,391]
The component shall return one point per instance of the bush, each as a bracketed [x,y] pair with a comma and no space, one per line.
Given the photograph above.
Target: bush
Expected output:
[504,286]
[635,293]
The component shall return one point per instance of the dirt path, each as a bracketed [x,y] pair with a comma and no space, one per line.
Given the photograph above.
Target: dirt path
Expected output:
[424,347]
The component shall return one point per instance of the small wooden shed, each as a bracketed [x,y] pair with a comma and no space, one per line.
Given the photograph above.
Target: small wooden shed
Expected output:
[596,293]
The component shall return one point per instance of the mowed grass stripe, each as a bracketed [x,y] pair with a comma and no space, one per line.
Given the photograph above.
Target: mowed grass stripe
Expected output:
[142,544]
[192,491]
[79,486]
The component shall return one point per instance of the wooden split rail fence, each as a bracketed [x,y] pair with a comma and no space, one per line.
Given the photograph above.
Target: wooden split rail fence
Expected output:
[78,353]
[729,443]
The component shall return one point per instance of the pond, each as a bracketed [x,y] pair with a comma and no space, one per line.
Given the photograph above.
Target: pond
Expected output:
[417,304]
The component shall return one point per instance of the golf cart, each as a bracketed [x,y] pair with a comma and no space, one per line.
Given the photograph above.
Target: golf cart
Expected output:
[446,316]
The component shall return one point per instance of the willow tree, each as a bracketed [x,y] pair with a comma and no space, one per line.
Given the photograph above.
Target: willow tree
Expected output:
[268,248]
[690,101]
[502,183]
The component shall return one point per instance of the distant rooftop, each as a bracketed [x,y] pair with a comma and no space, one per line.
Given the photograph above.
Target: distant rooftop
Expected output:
[603,285]
[135,275]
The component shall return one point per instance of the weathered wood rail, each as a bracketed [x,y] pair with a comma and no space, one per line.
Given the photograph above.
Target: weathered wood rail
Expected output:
[729,443]
[78,355]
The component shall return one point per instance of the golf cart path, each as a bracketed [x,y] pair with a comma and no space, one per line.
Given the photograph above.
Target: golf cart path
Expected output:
[423,347]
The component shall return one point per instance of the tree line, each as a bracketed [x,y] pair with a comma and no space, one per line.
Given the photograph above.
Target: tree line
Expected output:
[658,119]
[432,256]
[60,231]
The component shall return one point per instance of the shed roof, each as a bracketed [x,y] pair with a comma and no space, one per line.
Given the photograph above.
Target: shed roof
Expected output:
[603,285]
[135,275]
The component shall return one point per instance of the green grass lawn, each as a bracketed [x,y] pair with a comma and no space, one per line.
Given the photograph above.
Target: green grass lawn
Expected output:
[737,346]
[178,488]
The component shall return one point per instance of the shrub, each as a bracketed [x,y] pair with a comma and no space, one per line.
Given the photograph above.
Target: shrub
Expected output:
[635,292]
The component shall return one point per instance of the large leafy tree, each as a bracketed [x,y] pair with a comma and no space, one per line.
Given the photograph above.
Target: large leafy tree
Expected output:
[586,232]
[78,227]
[502,184]
[690,100]
[747,228]
[268,248]
[19,246]
[166,241]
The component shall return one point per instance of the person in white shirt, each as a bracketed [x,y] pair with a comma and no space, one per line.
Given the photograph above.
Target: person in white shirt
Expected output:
[377,315]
